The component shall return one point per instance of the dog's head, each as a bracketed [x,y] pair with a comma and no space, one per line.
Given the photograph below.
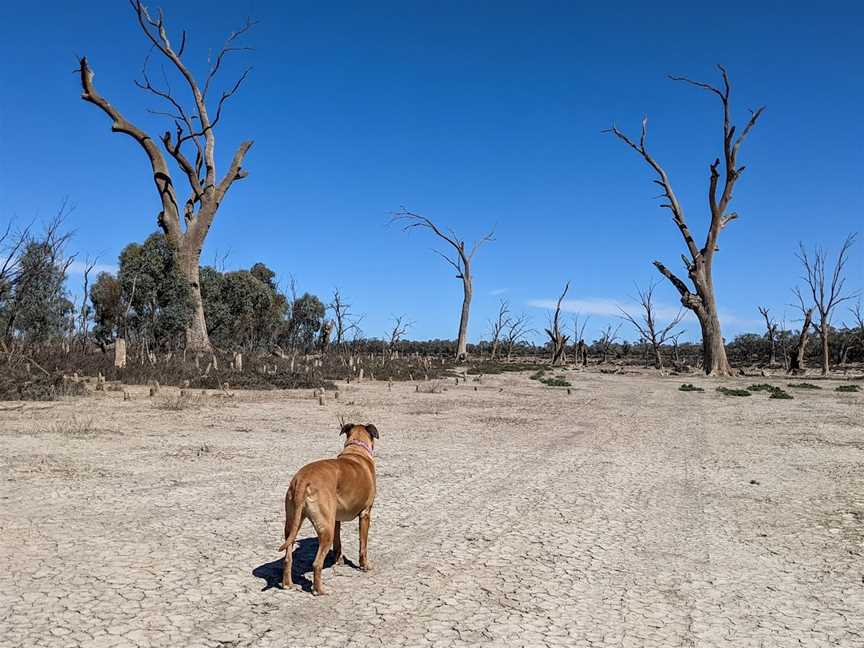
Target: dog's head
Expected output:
[366,433]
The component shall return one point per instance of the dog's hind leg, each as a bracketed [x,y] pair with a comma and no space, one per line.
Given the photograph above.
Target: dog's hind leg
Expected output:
[325,529]
[293,521]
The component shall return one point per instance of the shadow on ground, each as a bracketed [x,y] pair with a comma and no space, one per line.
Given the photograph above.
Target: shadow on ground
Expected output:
[304,555]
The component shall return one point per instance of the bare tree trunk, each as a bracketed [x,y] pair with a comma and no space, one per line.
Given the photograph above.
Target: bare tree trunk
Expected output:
[797,362]
[197,339]
[823,335]
[658,358]
[467,289]
[714,351]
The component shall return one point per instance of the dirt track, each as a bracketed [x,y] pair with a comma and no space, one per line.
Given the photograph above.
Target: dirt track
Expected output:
[625,514]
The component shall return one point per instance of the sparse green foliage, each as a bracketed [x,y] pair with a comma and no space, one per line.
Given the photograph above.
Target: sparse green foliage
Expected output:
[803,385]
[726,391]
[848,388]
[555,382]
[689,387]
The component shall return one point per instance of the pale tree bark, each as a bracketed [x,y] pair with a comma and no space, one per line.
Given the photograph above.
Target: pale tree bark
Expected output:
[647,325]
[771,333]
[797,363]
[461,262]
[827,288]
[557,339]
[193,128]
[700,261]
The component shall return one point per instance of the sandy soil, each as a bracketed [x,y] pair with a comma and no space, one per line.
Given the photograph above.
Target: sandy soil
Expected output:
[626,513]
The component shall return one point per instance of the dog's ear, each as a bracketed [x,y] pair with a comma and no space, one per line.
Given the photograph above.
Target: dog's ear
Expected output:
[346,428]
[372,430]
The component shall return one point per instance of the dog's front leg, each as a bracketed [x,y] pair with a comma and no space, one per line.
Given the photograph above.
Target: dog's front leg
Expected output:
[365,519]
[337,545]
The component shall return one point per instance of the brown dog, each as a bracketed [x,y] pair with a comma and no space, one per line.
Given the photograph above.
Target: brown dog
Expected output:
[329,492]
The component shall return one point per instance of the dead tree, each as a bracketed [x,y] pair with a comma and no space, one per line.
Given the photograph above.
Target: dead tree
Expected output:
[517,328]
[84,316]
[608,337]
[648,327]
[194,129]
[344,321]
[827,291]
[498,325]
[699,264]
[557,339]
[771,334]
[400,328]
[461,262]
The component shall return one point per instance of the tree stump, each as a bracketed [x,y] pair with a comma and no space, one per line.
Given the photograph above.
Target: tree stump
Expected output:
[120,353]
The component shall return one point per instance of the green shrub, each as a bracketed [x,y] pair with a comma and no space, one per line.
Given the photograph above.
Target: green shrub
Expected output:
[555,382]
[848,388]
[773,391]
[687,387]
[733,392]
[761,387]
[803,385]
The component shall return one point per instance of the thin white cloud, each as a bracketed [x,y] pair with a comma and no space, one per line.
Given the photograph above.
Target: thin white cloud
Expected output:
[78,268]
[602,306]
[498,291]
[611,307]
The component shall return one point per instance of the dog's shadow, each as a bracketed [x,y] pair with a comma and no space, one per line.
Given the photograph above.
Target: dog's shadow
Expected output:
[304,555]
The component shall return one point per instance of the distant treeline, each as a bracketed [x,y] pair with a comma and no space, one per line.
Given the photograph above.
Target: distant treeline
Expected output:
[147,303]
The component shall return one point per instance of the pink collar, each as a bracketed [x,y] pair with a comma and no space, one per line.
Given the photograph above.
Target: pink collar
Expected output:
[362,444]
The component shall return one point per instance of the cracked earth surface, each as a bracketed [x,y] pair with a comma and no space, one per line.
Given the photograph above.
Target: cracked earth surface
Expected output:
[624,514]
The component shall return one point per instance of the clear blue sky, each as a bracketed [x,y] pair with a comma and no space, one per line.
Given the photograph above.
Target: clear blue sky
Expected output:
[475,114]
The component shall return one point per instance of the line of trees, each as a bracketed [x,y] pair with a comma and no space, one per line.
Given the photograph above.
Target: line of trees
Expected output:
[147,304]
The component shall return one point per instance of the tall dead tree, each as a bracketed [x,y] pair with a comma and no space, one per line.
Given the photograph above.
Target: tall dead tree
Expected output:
[461,262]
[700,262]
[498,325]
[557,339]
[770,333]
[185,226]
[827,288]
[647,326]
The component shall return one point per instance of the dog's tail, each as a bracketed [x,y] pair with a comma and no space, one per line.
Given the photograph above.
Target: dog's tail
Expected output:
[293,514]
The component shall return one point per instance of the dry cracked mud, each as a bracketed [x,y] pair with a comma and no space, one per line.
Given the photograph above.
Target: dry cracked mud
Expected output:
[625,513]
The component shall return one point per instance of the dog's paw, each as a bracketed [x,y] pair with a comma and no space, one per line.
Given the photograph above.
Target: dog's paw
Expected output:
[320,592]
[367,567]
